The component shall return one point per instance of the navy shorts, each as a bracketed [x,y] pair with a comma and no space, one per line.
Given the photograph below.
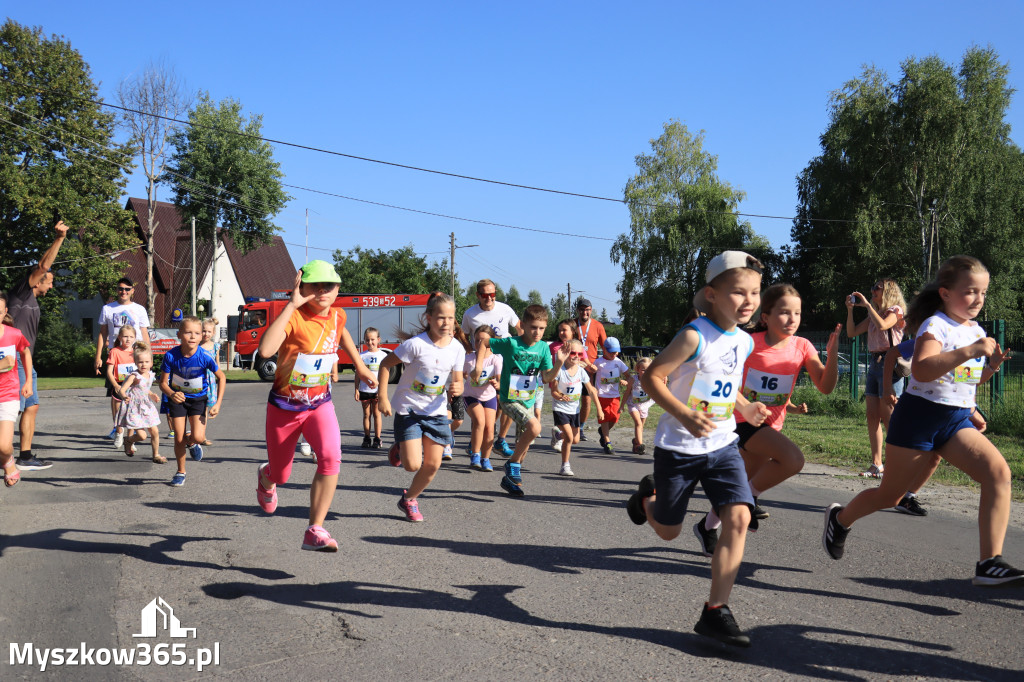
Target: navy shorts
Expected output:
[562,418]
[368,396]
[415,426]
[192,407]
[919,424]
[873,381]
[490,404]
[676,474]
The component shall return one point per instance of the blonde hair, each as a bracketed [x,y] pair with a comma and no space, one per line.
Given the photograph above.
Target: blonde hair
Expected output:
[642,362]
[891,296]
[211,322]
[140,348]
[122,330]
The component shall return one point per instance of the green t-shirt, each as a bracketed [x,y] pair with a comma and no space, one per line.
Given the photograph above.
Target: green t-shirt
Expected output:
[520,369]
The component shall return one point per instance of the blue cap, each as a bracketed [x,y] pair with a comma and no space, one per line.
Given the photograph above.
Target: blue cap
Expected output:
[611,344]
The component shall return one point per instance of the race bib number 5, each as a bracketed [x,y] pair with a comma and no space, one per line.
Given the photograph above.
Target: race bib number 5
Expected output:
[714,395]
[771,389]
[521,387]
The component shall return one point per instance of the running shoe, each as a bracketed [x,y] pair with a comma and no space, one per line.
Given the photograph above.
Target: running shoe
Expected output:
[446,456]
[178,479]
[566,470]
[485,464]
[635,446]
[834,537]
[910,505]
[501,446]
[113,433]
[995,571]
[641,449]
[719,623]
[33,464]
[317,539]
[410,507]
[394,457]
[376,443]
[583,435]
[119,439]
[759,512]
[474,461]
[514,489]
[556,438]
[606,444]
[873,472]
[170,434]
[708,538]
[514,472]
[367,442]
[196,452]
[635,504]
[266,497]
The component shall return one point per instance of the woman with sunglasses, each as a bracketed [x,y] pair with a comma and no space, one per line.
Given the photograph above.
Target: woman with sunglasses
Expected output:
[884,320]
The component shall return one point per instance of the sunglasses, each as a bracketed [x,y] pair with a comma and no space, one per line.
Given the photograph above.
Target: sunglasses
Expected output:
[490,295]
[125,288]
[577,355]
[877,287]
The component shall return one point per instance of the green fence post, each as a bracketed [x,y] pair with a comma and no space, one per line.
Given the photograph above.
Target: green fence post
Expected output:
[998,384]
[854,363]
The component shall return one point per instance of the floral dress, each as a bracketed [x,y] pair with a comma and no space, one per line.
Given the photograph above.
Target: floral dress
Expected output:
[138,410]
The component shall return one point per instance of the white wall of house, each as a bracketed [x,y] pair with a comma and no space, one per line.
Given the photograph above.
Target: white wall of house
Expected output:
[76,313]
[229,294]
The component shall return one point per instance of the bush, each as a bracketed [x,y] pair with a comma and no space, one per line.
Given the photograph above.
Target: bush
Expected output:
[1007,416]
[63,350]
[837,404]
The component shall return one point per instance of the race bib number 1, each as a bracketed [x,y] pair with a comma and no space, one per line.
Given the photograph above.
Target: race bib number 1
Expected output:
[310,371]
[714,395]
[123,370]
[772,390]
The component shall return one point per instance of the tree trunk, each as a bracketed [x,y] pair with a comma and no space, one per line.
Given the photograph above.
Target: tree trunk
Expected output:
[150,240]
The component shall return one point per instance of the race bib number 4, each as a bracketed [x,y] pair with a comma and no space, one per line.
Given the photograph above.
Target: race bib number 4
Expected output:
[429,383]
[771,389]
[521,387]
[8,358]
[310,371]
[191,386]
[714,395]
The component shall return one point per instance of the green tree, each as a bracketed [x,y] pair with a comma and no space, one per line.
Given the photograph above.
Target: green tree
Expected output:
[534,298]
[58,160]
[400,271]
[515,300]
[681,216]
[224,176]
[910,172]
[559,309]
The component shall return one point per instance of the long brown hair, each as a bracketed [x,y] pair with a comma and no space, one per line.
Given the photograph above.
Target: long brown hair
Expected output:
[929,300]
[769,298]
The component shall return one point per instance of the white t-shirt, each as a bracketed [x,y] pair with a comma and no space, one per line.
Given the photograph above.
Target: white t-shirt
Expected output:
[115,315]
[572,386]
[372,360]
[428,369]
[709,381]
[607,376]
[499,318]
[957,386]
[482,390]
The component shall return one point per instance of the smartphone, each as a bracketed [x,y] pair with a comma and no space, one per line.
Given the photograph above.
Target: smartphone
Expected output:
[853,299]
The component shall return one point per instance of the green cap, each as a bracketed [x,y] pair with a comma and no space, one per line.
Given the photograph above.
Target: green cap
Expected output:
[319,271]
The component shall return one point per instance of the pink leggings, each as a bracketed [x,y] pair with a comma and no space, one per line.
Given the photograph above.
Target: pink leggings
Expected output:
[319,426]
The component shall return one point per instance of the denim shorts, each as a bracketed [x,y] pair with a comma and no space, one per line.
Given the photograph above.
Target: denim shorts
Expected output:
[676,474]
[919,424]
[874,378]
[415,426]
[33,399]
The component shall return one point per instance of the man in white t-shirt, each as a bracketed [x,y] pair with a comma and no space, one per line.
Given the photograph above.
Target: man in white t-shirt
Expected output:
[500,317]
[118,313]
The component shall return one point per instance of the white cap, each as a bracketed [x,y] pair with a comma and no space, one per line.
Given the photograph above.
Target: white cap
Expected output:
[727,260]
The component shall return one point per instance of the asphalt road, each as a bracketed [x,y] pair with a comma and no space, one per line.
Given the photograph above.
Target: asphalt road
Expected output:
[556,585]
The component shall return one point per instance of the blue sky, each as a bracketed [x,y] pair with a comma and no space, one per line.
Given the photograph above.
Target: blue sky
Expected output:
[557,95]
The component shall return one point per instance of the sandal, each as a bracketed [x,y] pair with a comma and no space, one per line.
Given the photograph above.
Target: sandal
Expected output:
[11,479]
[159,459]
[874,471]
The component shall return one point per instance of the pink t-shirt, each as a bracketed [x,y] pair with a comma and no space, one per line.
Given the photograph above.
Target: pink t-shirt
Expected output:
[769,375]
[878,341]
[12,342]
[483,390]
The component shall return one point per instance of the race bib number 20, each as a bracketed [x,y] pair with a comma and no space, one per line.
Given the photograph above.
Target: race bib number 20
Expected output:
[714,395]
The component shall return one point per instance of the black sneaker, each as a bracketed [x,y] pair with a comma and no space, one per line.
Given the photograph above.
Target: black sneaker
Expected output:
[995,571]
[834,537]
[511,487]
[759,513]
[583,435]
[708,538]
[910,505]
[635,504]
[33,464]
[376,443]
[719,624]
[366,442]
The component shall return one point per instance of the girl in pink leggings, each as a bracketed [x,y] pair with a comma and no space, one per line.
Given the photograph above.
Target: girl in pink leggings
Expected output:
[305,337]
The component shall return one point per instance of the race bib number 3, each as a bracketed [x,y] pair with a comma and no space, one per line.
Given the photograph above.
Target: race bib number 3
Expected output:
[8,358]
[191,386]
[429,383]
[310,371]
[714,395]
[521,387]
[771,389]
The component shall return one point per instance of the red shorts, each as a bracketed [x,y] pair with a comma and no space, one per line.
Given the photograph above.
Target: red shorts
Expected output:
[609,410]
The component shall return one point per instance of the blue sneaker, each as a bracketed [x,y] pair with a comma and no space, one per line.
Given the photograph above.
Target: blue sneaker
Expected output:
[513,471]
[178,479]
[113,434]
[196,451]
[513,488]
[485,464]
[501,446]
[474,461]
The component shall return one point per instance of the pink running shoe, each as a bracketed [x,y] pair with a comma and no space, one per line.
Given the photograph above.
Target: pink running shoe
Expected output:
[266,497]
[394,457]
[319,540]
[410,507]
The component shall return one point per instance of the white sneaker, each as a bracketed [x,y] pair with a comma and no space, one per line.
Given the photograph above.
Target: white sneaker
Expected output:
[447,454]
[566,470]
[556,438]
[119,439]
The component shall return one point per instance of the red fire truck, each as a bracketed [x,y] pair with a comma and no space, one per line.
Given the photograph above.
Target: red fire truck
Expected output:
[388,313]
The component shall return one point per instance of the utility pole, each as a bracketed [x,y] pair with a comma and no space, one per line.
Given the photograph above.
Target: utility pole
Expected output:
[193,309]
[453,263]
[568,297]
[307,235]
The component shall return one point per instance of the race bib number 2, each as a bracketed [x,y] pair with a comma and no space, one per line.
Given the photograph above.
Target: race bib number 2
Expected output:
[187,386]
[714,395]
